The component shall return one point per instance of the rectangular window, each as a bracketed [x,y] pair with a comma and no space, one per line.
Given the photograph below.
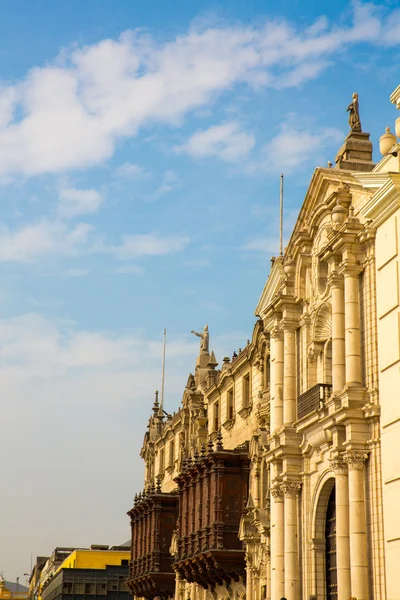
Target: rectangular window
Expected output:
[229,405]
[216,417]
[162,461]
[171,453]
[246,391]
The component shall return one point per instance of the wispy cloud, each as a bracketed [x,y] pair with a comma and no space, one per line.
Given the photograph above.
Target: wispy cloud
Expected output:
[292,147]
[149,244]
[129,270]
[44,238]
[170,182]
[227,141]
[76,272]
[131,171]
[72,114]
[74,202]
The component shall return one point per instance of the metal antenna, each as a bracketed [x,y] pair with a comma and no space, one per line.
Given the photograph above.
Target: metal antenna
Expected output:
[281,218]
[163,370]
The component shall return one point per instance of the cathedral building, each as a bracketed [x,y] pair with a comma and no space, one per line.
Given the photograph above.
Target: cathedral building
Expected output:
[279,477]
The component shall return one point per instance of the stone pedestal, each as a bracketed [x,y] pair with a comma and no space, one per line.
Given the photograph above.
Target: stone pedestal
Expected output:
[356,153]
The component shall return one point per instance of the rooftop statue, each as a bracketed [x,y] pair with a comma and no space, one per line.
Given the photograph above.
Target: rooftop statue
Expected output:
[203,335]
[354,116]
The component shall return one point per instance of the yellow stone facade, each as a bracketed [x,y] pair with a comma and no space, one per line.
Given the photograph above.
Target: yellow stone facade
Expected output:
[316,392]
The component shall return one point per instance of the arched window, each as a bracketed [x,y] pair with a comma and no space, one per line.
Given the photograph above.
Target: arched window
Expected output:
[330,548]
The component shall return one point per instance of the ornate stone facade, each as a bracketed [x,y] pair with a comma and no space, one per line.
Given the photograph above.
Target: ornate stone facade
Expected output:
[313,398]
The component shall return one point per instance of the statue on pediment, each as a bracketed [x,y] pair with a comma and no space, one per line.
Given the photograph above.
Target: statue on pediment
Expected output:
[354,116]
[204,339]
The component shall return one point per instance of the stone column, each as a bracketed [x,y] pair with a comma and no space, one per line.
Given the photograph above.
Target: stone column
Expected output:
[339,466]
[338,334]
[277,543]
[289,373]
[249,578]
[352,325]
[291,491]
[277,380]
[357,526]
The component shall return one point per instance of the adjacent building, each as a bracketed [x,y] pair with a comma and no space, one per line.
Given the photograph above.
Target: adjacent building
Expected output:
[278,477]
[96,573]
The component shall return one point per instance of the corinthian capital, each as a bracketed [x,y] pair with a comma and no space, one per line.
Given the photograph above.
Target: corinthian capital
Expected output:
[356,459]
[277,493]
[338,465]
[290,489]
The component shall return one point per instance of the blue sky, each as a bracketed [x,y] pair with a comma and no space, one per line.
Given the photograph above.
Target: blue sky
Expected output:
[140,151]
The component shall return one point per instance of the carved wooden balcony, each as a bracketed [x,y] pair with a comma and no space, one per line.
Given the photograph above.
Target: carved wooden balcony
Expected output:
[314,398]
[153,520]
[213,490]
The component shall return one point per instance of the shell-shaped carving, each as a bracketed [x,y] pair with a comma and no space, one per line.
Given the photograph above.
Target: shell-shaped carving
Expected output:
[323,324]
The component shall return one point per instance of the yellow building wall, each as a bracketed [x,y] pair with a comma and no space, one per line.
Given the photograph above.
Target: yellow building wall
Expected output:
[94,559]
[388,302]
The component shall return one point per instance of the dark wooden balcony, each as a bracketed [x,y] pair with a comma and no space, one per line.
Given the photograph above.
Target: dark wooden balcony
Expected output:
[153,520]
[314,398]
[213,491]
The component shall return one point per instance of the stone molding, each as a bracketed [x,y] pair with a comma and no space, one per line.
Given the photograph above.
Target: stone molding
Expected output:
[355,460]
[290,489]
[338,465]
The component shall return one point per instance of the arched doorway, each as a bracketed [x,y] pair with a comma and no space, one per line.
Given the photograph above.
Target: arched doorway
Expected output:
[330,548]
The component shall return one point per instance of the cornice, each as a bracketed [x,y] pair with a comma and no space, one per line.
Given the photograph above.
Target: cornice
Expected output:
[395,97]
[385,201]
[275,278]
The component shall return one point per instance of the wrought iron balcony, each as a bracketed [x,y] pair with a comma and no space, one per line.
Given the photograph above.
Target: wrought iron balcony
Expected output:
[313,399]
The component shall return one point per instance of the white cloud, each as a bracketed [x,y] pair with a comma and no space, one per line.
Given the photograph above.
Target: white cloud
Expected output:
[42,238]
[71,114]
[131,171]
[170,182]
[268,244]
[76,272]
[74,202]
[149,244]
[292,147]
[228,142]
[129,270]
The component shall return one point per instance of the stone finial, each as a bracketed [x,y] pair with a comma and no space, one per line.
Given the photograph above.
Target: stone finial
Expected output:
[219,441]
[202,450]
[158,484]
[210,446]
[386,142]
[156,404]
[212,363]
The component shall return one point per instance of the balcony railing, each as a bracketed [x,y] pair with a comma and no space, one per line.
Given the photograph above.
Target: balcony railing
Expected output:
[313,399]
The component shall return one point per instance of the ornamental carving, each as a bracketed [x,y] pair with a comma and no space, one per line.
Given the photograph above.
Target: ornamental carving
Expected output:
[290,489]
[338,465]
[277,493]
[355,460]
